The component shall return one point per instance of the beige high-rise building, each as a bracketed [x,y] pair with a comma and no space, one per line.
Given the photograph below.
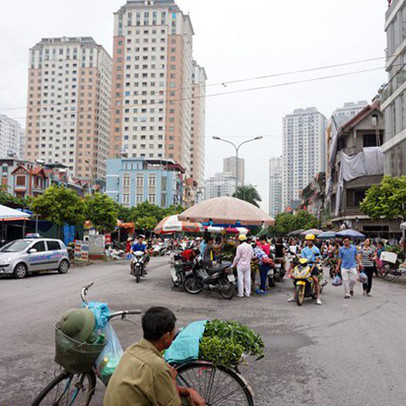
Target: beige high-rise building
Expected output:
[69,103]
[230,166]
[152,82]
[197,150]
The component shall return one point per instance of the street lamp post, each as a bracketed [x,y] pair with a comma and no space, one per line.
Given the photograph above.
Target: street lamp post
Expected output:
[91,181]
[237,149]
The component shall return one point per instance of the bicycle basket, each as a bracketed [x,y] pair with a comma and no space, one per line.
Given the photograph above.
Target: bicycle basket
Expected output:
[74,356]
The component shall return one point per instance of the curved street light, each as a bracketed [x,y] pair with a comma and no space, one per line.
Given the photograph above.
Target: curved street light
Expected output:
[237,149]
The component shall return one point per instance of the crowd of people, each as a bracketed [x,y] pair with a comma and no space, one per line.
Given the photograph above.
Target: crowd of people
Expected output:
[256,256]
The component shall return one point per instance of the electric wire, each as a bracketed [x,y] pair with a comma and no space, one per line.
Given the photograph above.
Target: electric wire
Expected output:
[254,78]
[206,96]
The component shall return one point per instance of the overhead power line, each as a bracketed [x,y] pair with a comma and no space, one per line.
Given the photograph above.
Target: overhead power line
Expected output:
[252,89]
[255,78]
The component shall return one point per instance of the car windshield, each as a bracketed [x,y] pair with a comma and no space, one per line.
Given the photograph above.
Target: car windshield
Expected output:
[15,246]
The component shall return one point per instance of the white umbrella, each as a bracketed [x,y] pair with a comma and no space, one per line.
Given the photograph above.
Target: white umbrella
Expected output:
[6,213]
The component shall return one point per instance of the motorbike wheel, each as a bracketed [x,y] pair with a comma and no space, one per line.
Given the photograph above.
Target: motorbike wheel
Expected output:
[388,275]
[276,277]
[137,274]
[227,290]
[191,285]
[300,293]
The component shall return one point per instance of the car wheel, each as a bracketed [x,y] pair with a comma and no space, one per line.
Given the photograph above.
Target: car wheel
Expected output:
[63,266]
[20,271]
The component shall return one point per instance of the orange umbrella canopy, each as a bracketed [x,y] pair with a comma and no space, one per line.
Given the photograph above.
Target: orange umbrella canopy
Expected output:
[227,210]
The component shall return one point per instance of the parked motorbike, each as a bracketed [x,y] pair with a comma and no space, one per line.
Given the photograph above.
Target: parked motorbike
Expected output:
[303,281]
[220,279]
[180,269]
[138,263]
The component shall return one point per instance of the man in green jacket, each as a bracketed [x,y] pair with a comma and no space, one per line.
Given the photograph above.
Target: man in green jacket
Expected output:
[142,377]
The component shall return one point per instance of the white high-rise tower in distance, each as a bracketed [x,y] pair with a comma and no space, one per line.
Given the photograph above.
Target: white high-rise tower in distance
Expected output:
[275,185]
[11,137]
[154,79]
[304,151]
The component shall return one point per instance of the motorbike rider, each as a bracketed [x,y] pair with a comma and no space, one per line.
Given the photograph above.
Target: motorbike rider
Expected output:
[140,246]
[312,254]
[280,252]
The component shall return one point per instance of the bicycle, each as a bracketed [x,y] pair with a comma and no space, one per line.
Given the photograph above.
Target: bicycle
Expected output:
[67,388]
[218,385]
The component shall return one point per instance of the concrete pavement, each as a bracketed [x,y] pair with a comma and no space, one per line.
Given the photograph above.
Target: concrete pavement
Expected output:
[346,352]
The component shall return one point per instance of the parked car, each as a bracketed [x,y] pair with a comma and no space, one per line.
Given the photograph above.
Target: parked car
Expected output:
[21,257]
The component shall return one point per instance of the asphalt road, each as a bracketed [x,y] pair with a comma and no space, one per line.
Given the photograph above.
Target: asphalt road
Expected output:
[346,352]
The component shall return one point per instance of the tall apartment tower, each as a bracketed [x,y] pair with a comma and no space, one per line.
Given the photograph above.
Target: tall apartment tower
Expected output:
[393,97]
[197,150]
[275,186]
[230,166]
[69,103]
[304,151]
[11,137]
[152,82]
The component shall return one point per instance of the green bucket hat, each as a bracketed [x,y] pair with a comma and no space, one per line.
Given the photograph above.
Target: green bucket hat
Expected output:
[78,324]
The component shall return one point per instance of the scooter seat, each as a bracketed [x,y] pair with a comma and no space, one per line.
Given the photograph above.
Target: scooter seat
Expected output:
[219,268]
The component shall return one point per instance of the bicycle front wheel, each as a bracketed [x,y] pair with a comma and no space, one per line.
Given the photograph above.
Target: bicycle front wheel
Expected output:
[67,389]
[217,385]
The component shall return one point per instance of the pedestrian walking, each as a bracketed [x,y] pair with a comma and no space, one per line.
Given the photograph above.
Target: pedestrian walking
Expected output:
[347,261]
[367,256]
[264,263]
[242,262]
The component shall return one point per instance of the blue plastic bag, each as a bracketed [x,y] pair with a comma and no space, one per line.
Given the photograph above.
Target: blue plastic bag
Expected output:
[363,278]
[337,281]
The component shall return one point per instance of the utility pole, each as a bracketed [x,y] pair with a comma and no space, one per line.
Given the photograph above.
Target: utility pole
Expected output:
[237,149]
[91,181]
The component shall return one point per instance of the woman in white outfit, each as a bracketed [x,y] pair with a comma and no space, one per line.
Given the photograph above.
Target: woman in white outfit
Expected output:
[242,262]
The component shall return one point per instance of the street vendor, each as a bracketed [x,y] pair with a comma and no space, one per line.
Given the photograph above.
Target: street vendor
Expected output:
[142,377]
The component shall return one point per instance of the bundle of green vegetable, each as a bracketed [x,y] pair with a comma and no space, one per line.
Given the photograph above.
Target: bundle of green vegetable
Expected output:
[225,342]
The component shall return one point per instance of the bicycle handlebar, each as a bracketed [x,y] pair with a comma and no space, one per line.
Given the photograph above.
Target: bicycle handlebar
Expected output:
[123,313]
[84,291]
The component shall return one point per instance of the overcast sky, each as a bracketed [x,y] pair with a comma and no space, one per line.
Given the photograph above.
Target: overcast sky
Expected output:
[234,39]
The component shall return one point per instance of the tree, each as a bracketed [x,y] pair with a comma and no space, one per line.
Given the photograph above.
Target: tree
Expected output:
[146,215]
[146,223]
[59,205]
[123,213]
[286,223]
[386,200]
[172,210]
[248,193]
[9,200]
[101,211]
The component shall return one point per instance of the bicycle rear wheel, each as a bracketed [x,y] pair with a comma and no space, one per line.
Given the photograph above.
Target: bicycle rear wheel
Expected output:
[67,389]
[217,385]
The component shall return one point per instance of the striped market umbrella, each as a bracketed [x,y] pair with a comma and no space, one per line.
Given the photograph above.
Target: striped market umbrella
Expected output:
[171,225]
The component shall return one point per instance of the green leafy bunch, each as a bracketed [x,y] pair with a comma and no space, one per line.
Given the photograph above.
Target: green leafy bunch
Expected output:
[224,342]
[220,351]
